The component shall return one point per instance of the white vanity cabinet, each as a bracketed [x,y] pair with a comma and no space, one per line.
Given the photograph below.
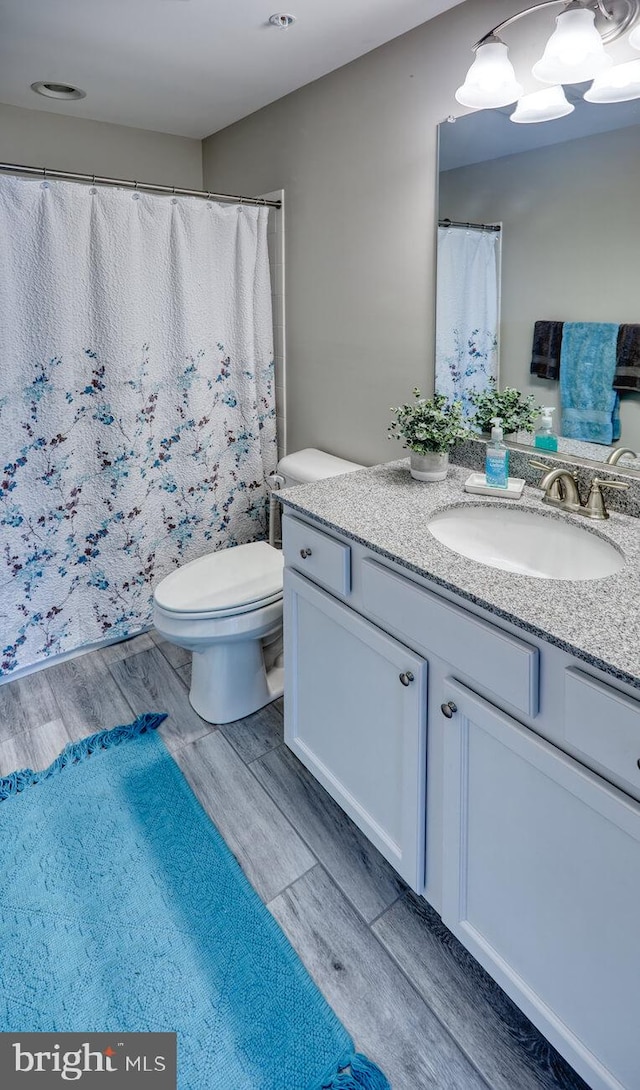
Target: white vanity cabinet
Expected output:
[541,882]
[526,769]
[356,716]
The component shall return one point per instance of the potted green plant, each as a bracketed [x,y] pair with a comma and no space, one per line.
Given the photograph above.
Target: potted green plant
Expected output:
[429,427]
[516,411]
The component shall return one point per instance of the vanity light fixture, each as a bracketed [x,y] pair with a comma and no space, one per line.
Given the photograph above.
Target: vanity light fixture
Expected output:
[575,52]
[491,80]
[545,105]
[618,84]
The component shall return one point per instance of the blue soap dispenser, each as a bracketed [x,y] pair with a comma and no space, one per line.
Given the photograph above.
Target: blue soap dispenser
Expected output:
[545,436]
[497,457]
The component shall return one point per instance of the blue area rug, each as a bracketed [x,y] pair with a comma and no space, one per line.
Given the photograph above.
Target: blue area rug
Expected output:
[121,908]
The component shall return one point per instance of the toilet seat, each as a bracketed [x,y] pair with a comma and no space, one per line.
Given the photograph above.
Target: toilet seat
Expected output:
[222,584]
[212,614]
[198,630]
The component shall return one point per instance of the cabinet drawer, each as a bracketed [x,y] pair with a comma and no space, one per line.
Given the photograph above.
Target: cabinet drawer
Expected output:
[493,659]
[603,724]
[317,555]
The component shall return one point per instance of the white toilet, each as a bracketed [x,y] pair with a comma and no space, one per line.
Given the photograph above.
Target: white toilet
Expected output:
[226,607]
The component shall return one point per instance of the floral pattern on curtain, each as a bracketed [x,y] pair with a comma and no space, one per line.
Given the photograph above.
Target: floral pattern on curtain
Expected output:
[467,312]
[137,416]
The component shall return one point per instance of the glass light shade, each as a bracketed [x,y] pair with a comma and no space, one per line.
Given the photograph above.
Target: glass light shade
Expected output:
[618,84]
[634,37]
[491,80]
[543,105]
[574,52]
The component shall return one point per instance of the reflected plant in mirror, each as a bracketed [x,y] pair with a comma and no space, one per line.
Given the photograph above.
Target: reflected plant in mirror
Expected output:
[561,278]
[518,412]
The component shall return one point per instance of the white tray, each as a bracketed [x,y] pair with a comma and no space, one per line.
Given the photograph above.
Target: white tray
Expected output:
[477,483]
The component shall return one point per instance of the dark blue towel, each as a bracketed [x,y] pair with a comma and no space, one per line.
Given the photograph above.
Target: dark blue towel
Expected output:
[545,352]
[627,376]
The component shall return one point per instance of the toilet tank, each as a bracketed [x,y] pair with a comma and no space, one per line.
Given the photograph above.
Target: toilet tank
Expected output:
[301,467]
[310,464]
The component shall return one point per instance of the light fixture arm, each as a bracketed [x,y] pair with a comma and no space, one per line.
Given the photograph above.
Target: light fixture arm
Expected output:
[600,4]
[514,19]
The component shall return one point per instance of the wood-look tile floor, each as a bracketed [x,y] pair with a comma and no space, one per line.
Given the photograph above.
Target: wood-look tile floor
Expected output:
[410,995]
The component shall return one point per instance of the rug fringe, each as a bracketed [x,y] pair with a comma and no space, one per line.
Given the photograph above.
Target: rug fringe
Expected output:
[74,752]
[358,1073]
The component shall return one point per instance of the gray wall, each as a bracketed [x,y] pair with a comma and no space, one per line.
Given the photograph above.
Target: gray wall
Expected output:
[356,155]
[571,221]
[41,138]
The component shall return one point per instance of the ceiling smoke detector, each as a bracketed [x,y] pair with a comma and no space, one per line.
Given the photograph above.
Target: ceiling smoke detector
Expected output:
[57,90]
[282,21]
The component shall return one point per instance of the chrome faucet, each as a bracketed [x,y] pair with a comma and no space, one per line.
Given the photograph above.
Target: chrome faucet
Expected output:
[560,487]
[617,453]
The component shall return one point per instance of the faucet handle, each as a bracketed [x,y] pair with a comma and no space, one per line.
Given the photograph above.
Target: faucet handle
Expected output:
[622,485]
[595,508]
[535,464]
[573,472]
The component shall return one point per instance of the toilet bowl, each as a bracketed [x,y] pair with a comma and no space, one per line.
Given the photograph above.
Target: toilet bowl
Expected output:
[226,608]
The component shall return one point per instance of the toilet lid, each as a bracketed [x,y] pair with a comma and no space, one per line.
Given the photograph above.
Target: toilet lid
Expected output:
[227,579]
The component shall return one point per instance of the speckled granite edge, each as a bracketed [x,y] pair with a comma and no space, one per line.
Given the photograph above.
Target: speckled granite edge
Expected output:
[593,620]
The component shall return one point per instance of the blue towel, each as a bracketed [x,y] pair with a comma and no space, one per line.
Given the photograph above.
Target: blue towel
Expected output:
[590,405]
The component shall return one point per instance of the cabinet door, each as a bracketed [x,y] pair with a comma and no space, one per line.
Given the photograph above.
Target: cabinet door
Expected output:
[541,879]
[355,715]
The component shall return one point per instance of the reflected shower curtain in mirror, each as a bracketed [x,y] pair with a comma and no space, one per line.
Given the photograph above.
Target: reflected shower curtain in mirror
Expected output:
[137,416]
[467,312]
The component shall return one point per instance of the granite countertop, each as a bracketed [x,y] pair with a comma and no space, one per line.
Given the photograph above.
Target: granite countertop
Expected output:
[384,509]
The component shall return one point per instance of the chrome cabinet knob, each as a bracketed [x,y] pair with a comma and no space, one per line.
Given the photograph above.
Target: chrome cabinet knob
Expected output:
[406,678]
[449,709]
[304,553]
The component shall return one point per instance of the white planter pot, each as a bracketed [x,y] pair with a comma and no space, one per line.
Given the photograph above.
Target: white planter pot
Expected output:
[429,467]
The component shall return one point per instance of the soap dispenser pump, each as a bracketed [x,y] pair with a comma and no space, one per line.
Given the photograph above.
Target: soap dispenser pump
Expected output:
[545,437]
[497,457]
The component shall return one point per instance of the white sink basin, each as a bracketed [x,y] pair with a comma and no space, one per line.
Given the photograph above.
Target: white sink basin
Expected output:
[526,542]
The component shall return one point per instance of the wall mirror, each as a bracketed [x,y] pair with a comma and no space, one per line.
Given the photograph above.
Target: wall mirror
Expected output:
[565,196]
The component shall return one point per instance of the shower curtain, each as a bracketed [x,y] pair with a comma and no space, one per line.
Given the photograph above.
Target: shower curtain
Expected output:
[137,416]
[467,312]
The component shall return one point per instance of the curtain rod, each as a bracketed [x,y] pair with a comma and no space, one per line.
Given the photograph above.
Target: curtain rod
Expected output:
[470,226]
[147,187]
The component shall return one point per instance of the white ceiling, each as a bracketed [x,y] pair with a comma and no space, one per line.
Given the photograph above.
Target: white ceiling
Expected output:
[186,66]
